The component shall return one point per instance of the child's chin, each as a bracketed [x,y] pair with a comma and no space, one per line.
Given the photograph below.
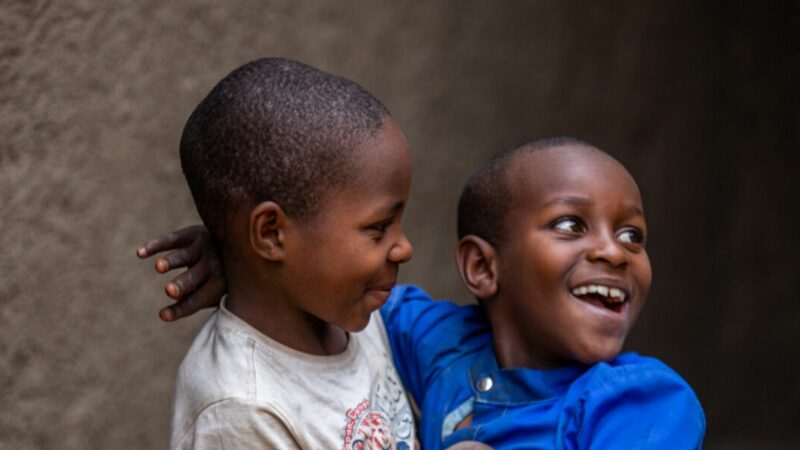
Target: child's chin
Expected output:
[355,327]
[594,360]
[599,355]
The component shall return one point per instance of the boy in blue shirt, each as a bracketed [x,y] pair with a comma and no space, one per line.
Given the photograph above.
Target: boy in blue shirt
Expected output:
[552,244]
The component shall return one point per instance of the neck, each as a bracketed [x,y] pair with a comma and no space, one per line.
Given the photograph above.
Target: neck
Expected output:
[269,309]
[511,347]
[512,353]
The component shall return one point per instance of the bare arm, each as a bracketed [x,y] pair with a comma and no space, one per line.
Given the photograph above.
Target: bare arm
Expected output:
[202,284]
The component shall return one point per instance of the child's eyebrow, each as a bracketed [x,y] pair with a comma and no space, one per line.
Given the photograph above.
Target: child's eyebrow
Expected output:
[390,209]
[635,210]
[571,200]
[574,200]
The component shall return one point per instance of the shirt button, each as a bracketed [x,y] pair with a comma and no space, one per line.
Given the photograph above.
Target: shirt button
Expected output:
[484,384]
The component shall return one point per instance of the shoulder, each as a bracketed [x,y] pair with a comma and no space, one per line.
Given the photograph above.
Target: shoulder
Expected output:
[409,302]
[406,294]
[646,399]
[416,322]
[217,364]
[235,423]
[631,371]
[627,364]
[227,366]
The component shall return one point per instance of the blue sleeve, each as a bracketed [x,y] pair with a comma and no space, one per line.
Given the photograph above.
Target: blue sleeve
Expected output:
[644,407]
[424,335]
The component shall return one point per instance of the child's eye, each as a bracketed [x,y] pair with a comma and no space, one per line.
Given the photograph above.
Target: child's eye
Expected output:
[631,236]
[380,227]
[569,224]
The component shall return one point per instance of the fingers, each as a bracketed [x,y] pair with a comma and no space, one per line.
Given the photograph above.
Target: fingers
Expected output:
[186,282]
[202,284]
[208,295]
[171,241]
[182,257]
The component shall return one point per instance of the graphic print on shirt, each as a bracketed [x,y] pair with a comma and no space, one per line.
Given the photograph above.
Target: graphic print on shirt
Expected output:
[382,422]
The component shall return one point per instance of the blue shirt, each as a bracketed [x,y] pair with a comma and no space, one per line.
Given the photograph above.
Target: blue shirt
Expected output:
[444,355]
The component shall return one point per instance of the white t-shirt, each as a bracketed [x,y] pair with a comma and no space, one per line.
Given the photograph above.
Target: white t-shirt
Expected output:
[237,388]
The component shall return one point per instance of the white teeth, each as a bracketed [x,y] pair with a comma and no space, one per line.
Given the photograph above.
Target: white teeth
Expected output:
[613,294]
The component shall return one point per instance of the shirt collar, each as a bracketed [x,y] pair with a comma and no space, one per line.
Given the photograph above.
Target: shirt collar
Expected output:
[492,384]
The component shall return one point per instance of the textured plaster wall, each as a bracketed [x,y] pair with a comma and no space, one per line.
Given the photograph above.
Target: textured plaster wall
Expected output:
[694,99]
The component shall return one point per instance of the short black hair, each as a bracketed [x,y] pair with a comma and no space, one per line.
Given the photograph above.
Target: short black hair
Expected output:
[484,201]
[274,129]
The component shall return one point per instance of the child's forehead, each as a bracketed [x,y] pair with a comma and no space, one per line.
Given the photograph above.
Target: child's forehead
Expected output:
[561,159]
[567,168]
[382,159]
[387,147]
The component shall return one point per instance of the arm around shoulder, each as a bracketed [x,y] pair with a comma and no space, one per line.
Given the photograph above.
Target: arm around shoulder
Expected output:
[422,333]
[646,406]
[235,423]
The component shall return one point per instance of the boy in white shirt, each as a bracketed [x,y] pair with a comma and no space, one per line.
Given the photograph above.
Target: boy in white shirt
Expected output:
[301,178]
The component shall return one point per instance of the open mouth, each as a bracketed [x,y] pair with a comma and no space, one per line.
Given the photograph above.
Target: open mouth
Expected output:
[601,296]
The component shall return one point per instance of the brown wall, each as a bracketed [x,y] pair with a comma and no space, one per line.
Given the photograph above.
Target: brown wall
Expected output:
[698,101]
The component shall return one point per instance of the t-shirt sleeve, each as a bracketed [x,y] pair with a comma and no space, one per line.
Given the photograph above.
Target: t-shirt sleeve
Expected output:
[640,408]
[237,424]
[420,332]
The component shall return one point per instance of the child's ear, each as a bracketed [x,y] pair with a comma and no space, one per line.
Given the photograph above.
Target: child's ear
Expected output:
[267,231]
[477,264]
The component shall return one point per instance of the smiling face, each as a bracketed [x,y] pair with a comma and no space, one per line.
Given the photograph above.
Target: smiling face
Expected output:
[347,258]
[572,273]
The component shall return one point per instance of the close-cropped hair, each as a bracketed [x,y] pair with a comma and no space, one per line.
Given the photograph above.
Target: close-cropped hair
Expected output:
[485,199]
[274,130]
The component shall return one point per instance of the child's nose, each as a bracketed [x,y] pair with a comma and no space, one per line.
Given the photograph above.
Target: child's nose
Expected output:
[606,247]
[402,251]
